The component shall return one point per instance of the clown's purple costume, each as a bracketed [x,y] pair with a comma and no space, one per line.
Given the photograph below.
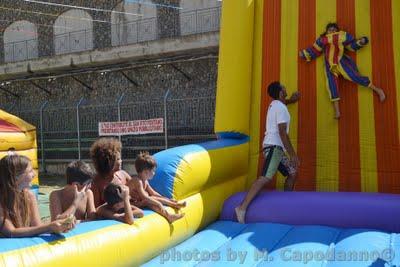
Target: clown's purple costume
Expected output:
[333,45]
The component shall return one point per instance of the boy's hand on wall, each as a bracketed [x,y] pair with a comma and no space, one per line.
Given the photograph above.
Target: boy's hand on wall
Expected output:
[295,96]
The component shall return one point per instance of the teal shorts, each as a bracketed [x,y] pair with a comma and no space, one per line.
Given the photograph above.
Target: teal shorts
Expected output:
[275,159]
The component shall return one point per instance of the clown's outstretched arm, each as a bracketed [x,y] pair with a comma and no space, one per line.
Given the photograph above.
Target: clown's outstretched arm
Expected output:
[353,44]
[313,51]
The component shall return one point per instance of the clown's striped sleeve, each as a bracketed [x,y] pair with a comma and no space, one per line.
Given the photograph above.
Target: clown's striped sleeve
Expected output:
[354,44]
[313,51]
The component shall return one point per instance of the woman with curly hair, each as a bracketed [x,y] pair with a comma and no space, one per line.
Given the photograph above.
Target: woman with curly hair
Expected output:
[106,157]
[19,213]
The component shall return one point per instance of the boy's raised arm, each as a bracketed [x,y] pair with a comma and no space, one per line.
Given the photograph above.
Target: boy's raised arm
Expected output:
[104,212]
[56,211]
[128,218]
[90,208]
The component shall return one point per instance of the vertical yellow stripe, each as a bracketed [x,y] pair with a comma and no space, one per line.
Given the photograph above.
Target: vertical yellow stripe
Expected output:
[256,91]
[289,57]
[327,126]
[368,165]
[396,46]
[234,67]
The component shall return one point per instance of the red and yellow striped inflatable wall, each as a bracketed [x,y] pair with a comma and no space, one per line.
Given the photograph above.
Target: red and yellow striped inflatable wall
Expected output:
[361,151]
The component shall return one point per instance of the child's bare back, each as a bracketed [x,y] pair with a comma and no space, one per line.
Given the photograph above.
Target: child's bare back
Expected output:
[136,186]
[75,199]
[63,199]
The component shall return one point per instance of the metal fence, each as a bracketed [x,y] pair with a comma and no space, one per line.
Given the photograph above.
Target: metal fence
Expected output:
[66,133]
[191,22]
[134,32]
[200,20]
[22,50]
[74,41]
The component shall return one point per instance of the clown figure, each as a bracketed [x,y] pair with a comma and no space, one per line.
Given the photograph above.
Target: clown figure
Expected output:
[333,43]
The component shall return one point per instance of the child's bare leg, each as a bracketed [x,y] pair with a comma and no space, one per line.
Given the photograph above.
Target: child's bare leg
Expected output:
[181,204]
[173,217]
[170,202]
[378,91]
[337,110]
[163,212]
[289,182]
[178,204]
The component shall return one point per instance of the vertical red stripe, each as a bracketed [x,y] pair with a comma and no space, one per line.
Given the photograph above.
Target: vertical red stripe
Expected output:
[307,82]
[349,135]
[349,132]
[383,74]
[271,62]
[335,40]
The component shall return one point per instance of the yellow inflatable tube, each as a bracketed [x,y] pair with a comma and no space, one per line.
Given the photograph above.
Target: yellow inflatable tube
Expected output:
[18,136]
[110,243]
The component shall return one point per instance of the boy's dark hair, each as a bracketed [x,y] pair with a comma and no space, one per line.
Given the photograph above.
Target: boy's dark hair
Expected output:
[112,194]
[79,172]
[144,161]
[274,89]
[330,25]
[104,154]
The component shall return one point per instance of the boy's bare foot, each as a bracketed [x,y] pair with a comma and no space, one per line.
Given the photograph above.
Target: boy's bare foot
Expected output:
[179,205]
[336,109]
[240,214]
[173,217]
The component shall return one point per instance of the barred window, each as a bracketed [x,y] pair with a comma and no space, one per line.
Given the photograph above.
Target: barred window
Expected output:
[20,41]
[73,32]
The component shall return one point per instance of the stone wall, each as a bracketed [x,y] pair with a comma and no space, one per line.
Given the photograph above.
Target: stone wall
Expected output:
[153,81]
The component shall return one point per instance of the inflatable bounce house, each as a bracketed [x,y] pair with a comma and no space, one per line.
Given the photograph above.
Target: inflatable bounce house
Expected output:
[345,211]
[19,136]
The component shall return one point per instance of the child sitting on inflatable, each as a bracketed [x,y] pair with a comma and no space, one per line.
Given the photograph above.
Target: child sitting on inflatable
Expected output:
[143,195]
[333,43]
[118,206]
[75,199]
[19,211]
